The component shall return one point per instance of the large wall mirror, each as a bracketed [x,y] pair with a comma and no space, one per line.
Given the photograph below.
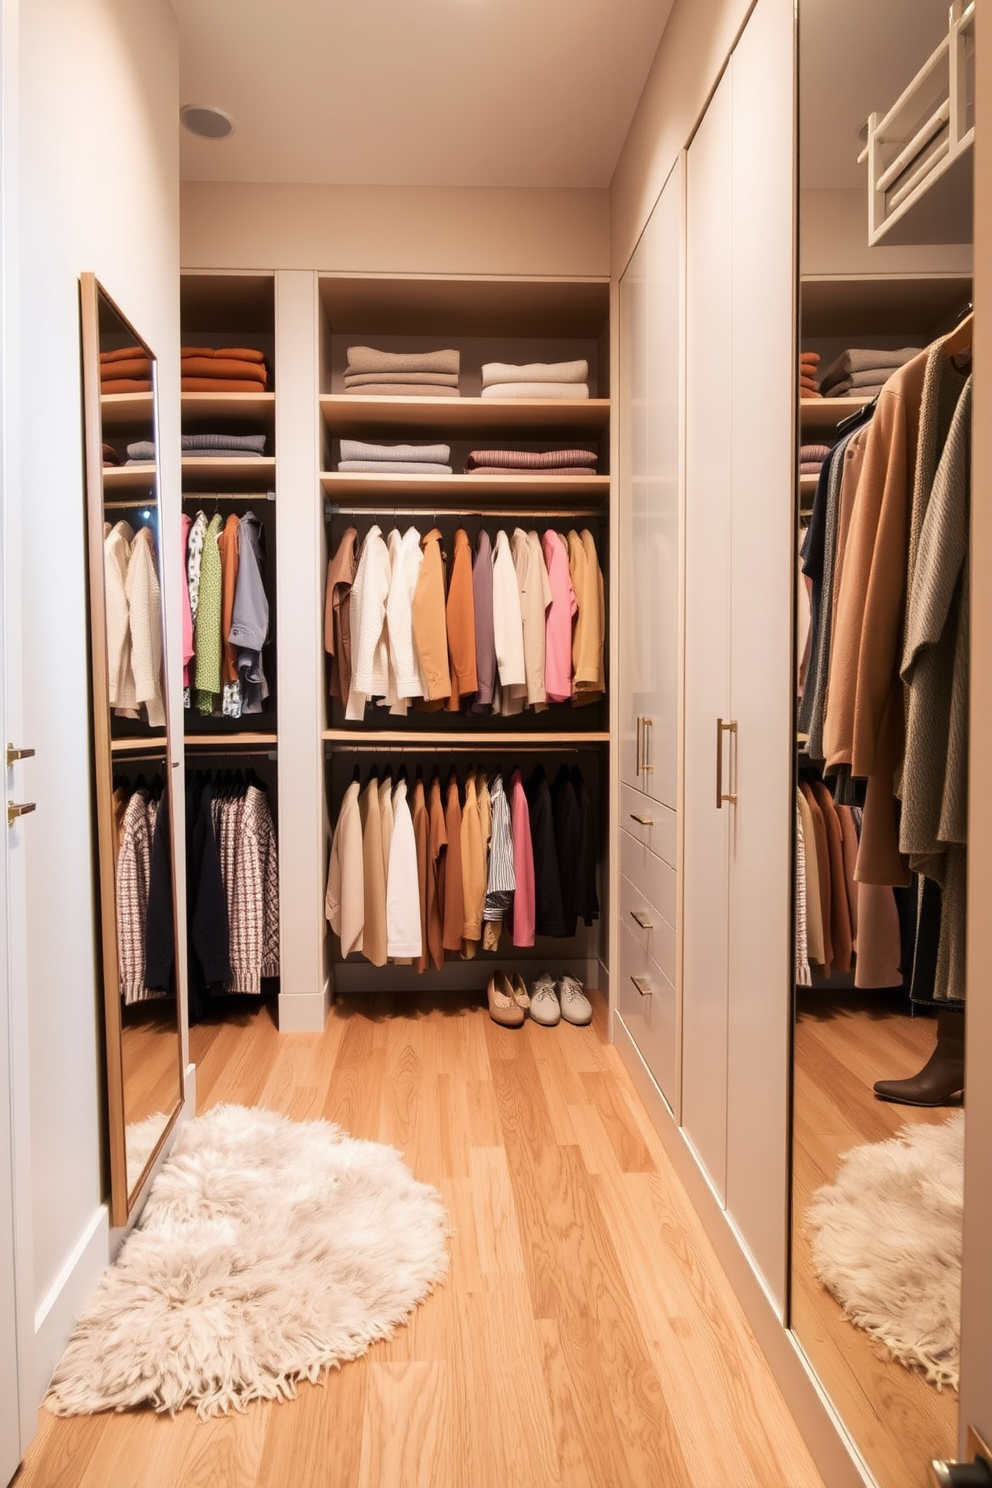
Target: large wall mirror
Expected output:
[873,1301]
[132,787]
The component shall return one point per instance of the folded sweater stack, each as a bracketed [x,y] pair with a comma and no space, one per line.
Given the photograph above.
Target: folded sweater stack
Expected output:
[531,462]
[809,361]
[128,369]
[401,374]
[225,369]
[394,459]
[811,457]
[861,372]
[536,380]
[205,446]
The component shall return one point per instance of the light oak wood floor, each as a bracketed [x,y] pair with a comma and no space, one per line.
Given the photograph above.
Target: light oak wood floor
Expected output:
[844,1042]
[586,1335]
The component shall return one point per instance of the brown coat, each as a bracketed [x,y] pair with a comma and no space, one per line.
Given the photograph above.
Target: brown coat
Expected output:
[454,900]
[430,635]
[227,542]
[840,913]
[337,613]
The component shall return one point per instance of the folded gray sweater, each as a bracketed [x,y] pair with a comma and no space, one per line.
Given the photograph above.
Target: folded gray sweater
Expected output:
[864,359]
[394,467]
[367,359]
[360,449]
[493,372]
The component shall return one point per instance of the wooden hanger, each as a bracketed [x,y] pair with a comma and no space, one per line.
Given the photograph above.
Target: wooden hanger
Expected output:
[959,339]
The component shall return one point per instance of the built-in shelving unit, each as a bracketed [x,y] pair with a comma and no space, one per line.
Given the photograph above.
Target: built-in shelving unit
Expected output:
[487,320]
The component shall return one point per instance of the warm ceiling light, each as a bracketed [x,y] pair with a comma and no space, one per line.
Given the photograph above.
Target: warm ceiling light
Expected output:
[207,122]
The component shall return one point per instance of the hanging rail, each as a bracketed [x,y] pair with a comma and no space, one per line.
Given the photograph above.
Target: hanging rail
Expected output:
[560,514]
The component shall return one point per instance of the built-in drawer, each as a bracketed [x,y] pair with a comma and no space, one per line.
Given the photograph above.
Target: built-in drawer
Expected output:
[648,926]
[653,825]
[647,1004]
[655,878]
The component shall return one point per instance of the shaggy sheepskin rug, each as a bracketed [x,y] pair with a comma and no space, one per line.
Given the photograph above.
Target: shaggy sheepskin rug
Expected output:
[268,1251]
[886,1241]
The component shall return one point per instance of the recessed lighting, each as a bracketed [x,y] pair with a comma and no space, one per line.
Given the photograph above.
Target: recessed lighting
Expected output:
[206,121]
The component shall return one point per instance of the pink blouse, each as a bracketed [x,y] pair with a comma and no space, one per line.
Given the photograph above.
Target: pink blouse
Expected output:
[562,610]
[523,864]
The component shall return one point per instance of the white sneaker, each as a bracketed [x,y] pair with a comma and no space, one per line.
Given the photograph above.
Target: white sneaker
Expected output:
[575,1005]
[544,1007]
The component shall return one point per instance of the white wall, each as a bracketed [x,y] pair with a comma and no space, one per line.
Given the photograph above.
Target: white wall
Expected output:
[394,229]
[99,94]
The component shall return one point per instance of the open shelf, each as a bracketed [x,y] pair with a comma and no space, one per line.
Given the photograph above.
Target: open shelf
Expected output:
[133,478]
[558,491]
[202,410]
[822,415]
[879,304]
[347,416]
[245,472]
[124,410]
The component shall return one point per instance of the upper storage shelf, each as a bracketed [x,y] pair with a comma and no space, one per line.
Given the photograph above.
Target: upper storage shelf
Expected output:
[920,153]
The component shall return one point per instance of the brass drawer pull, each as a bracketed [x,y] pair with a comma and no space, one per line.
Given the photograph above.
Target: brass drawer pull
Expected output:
[13,753]
[19,808]
[644,821]
[644,924]
[642,986]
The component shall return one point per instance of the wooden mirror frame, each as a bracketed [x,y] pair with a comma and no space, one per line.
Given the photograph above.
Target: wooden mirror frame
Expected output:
[122,1195]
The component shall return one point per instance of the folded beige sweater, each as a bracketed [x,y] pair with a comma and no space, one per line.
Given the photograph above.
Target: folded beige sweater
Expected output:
[493,372]
[536,390]
[401,390]
[415,379]
[367,359]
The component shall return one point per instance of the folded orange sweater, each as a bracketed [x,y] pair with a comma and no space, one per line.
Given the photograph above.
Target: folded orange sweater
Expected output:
[122,354]
[236,353]
[134,367]
[227,367]
[126,385]
[217,385]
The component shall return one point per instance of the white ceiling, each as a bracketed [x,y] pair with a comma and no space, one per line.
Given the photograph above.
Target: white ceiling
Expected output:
[489,93]
[855,57]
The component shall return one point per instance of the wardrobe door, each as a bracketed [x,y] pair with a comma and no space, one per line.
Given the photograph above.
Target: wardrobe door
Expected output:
[762,362]
[707,633]
[650,336]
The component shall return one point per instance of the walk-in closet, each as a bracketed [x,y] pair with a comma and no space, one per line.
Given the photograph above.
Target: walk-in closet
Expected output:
[467,706]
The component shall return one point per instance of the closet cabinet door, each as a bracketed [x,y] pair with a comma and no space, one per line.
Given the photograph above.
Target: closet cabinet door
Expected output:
[707,632]
[762,363]
[649,521]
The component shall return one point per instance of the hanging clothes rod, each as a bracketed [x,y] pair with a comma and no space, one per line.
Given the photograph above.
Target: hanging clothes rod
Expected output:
[198,754]
[332,509]
[229,496]
[510,747]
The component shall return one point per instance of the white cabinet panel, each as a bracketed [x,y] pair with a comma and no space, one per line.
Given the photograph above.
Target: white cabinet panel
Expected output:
[653,876]
[649,503]
[647,1004]
[707,631]
[648,822]
[648,925]
[763,419]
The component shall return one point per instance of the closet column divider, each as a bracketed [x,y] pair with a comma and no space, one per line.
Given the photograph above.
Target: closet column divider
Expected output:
[303,994]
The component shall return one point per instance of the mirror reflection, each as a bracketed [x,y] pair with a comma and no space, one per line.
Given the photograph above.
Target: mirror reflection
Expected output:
[884,451]
[130,733]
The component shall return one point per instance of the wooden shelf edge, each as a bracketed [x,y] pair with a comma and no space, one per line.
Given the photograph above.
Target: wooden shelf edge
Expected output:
[230,741]
[481,740]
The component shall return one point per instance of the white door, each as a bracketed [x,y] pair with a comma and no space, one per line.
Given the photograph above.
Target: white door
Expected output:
[650,319]
[762,368]
[707,632]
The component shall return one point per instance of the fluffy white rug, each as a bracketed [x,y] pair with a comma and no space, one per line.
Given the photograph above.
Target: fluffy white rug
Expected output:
[886,1240]
[268,1251]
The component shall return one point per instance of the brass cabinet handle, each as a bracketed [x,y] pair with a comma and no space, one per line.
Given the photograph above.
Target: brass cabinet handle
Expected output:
[13,753]
[642,986]
[637,748]
[648,765]
[644,821]
[19,808]
[638,917]
[721,794]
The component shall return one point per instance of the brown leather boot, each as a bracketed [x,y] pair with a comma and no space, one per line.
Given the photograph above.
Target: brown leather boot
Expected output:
[941,1080]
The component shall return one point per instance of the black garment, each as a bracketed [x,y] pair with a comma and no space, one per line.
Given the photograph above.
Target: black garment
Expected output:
[208,942]
[160,942]
[926,934]
[549,917]
[568,842]
[586,901]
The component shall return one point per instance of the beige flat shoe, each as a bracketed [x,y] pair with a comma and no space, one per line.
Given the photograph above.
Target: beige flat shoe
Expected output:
[502,1007]
[518,991]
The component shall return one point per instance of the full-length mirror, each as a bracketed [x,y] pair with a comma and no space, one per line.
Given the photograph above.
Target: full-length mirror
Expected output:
[130,733]
[882,599]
